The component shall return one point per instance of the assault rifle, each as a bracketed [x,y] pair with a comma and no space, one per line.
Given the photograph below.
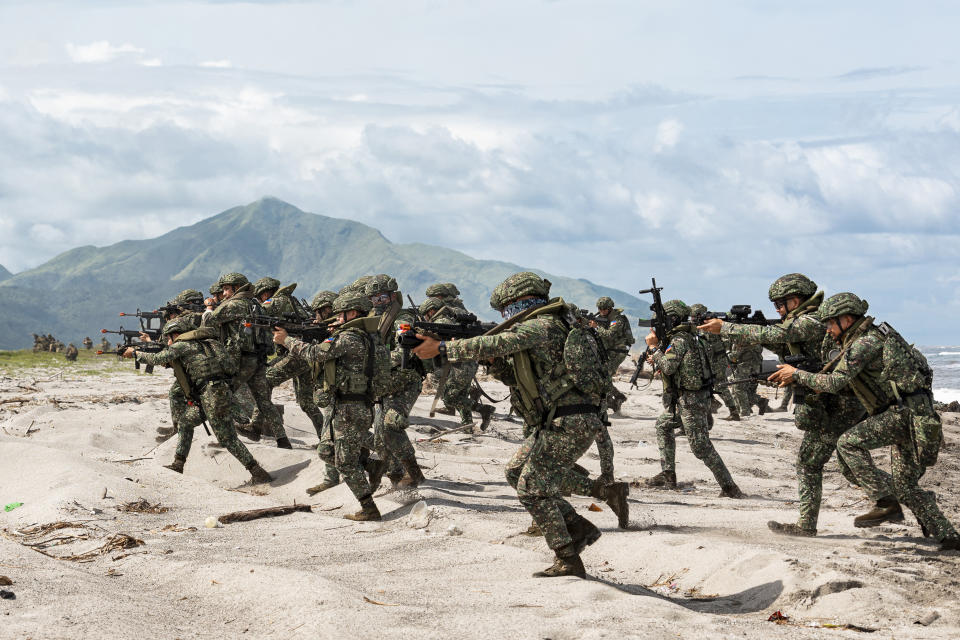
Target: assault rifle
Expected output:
[661,322]
[740,314]
[178,308]
[594,317]
[131,338]
[770,366]
[407,339]
[306,331]
[143,315]
[641,362]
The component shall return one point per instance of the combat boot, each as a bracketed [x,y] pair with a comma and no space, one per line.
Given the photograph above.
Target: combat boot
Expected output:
[395,479]
[790,529]
[731,491]
[583,532]
[248,432]
[533,530]
[323,486]
[615,495]
[375,469]
[258,475]
[886,510]
[665,479]
[950,543]
[445,410]
[177,464]
[567,563]
[283,442]
[733,417]
[486,413]
[368,512]
[413,477]
[763,405]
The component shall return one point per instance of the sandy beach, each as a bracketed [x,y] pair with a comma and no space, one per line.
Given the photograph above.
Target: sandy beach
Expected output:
[77,445]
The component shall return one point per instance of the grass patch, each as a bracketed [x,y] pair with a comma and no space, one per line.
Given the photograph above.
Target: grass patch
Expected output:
[87,363]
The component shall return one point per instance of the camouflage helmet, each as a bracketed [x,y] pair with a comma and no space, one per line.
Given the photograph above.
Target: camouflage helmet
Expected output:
[604,302]
[233,279]
[215,289]
[177,325]
[442,290]
[352,300]
[676,309]
[188,296]
[359,285]
[430,304]
[842,304]
[792,284]
[265,284]
[519,285]
[378,284]
[323,299]
[697,310]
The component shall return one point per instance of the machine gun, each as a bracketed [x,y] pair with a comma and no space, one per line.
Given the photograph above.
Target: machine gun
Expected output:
[306,331]
[769,367]
[741,314]
[468,327]
[131,338]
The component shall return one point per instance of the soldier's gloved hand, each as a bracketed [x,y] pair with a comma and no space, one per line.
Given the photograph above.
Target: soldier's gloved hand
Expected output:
[279,335]
[713,325]
[783,374]
[652,340]
[428,350]
[593,324]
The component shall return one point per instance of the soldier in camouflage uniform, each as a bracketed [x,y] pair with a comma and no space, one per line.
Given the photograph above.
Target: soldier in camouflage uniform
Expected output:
[392,413]
[456,392]
[685,368]
[87,343]
[104,345]
[717,353]
[228,318]
[281,304]
[823,417]
[528,353]
[895,395]
[617,338]
[746,359]
[200,364]
[343,360]
[175,395]
[71,353]
[448,293]
[322,305]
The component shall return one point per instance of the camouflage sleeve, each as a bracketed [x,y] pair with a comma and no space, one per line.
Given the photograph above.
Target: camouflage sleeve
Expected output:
[521,337]
[802,329]
[669,361]
[168,355]
[861,354]
[337,346]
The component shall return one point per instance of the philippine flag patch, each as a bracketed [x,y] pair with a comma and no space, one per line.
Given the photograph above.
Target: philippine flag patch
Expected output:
[613,323]
[668,349]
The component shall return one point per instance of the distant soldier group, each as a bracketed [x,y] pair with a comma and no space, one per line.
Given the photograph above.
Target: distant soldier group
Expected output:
[48,344]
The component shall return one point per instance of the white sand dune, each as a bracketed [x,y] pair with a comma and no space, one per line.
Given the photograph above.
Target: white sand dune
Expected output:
[693,566]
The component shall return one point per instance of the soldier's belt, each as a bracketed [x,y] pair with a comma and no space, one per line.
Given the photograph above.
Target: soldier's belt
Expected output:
[203,385]
[576,410]
[353,397]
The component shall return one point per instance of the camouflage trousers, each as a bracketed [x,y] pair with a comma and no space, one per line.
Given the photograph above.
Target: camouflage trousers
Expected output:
[615,397]
[543,468]
[283,369]
[692,410]
[893,428]
[351,434]
[178,403]
[390,422]
[718,365]
[745,393]
[823,419]
[325,449]
[456,389]
[216,401]
[253,375]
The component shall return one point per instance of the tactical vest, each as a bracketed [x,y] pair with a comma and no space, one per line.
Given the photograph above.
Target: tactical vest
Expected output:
[808,307]
[374,380]
[695,372]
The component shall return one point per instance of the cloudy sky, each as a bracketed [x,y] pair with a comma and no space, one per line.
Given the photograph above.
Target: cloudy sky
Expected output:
[714,145]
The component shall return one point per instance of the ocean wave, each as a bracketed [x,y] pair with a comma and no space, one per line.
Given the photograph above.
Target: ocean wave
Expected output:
[946,394]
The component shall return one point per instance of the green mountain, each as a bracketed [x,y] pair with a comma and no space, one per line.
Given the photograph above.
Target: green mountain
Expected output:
[82,290]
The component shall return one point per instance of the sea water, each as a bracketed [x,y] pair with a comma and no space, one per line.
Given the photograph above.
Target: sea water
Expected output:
[945,361]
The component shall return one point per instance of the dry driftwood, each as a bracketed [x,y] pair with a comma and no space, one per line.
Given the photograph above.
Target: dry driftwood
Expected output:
[269,512]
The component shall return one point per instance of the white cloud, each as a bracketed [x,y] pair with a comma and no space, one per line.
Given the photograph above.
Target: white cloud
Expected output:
[152,62]
[100,51]
[668,133]
[217,64]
